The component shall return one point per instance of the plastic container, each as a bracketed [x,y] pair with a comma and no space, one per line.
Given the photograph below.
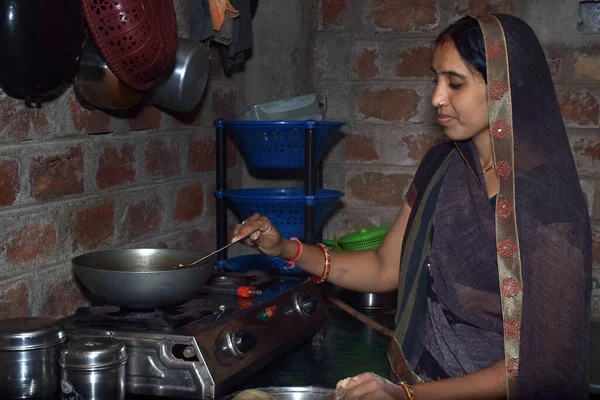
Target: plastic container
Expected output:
[299,108]
[284,207]
[93,369]
[278,144]
[363,239]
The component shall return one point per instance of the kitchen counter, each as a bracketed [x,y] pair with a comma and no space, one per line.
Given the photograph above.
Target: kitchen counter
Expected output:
[344,347]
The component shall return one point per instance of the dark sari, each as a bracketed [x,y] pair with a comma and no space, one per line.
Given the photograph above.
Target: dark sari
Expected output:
[510,279]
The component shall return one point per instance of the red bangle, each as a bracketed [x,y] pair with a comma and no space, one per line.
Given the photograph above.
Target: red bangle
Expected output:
[293,260]
[327,267]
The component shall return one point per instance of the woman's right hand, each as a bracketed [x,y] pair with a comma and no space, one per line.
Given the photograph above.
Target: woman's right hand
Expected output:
[266,239]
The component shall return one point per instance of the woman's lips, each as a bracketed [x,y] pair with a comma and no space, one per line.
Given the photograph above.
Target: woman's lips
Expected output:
[444,119]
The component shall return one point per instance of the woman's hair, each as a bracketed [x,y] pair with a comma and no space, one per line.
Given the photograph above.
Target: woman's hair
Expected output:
[468,39]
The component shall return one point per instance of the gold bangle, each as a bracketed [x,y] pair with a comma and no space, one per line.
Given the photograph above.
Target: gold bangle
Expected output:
[410,394]
[327,267]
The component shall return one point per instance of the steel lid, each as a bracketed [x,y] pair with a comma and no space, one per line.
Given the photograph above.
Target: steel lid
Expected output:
[93,353]
[28,333]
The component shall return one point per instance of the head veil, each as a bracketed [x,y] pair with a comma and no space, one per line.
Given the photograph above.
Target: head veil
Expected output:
[543,233]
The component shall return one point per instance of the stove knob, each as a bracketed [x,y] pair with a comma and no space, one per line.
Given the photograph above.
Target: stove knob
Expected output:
[307,305]
[243,342]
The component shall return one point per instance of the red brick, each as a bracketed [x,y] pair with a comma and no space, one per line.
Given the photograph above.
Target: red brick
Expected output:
[587,148]
[419,144]
[580,107]
[331,10]
[404,15]
[10,185]
[116,166]
[18,122]
[360,147]
[366,64]
[86,121]
[57,175]
[201,154]
[481,7]
[94,226]
[414,63]
[143,217]
[223,103]
[388,104]
[148,118]
[201,240]
[377,188]
[162,157]
[190,203]
[588,66]
[31,243]
[63,297]
[14,300]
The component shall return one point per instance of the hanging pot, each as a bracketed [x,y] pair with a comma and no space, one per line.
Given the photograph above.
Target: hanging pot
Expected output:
[40,41]
[96,86]
[183,88]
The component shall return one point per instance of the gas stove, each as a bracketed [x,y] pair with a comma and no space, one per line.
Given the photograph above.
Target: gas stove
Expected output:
[204,347]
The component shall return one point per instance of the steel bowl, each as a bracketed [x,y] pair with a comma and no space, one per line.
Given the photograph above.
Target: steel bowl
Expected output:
[143,278]
[293,393]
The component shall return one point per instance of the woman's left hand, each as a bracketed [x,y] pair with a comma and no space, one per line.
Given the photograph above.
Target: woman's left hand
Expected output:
[372,387]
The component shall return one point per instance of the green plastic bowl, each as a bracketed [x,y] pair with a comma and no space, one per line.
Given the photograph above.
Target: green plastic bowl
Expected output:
[364,239]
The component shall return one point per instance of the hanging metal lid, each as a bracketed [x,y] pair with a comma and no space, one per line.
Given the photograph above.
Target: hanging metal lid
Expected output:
[28,333]
[93,353]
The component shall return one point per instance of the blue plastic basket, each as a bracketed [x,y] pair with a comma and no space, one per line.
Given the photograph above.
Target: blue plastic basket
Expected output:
[284,207]
[277,144]
[260,262]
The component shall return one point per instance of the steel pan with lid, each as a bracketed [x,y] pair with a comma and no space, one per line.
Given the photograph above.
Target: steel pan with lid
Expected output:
[29,349]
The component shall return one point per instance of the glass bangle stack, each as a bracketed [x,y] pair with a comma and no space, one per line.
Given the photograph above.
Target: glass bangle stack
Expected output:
[284,146]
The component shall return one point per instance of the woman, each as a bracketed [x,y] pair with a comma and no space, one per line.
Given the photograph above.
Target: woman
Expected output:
[494,272]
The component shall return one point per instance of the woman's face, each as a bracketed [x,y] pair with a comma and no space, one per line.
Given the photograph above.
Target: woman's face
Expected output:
[464,113]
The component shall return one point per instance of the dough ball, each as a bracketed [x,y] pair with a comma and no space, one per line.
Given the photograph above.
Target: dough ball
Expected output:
[253,394]
[342,384]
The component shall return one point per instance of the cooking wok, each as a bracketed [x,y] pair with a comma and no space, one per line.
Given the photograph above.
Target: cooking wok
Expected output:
[143,278]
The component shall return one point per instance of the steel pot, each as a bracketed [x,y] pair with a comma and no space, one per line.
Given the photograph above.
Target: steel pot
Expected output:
[143,278]
[183,88]
[96,86]
[293,393]
[93,369]
[29,349]
[367,301]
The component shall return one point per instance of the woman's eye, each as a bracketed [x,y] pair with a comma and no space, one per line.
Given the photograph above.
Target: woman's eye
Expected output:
[434,81]
[456,85]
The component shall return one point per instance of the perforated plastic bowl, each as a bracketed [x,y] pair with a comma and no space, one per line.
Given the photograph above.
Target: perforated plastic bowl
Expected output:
[284,207]
[278,144]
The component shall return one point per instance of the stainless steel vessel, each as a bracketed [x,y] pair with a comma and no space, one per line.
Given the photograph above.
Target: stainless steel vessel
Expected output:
[294,393]
[93,369]
[29,350]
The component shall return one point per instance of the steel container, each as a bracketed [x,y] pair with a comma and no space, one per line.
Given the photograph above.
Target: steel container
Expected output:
[29,349]
[93,369]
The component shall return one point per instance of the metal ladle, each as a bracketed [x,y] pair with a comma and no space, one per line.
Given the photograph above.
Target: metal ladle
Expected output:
[217,251]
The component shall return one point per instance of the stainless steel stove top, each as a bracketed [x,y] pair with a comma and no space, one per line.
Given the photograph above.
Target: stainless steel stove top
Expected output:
[205,346]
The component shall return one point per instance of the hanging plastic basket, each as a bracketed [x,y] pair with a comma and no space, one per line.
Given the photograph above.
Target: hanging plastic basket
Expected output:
[284,207]
[278,144]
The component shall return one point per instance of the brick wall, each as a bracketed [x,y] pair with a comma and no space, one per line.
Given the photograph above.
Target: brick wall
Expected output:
[73,181]
[371,67]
